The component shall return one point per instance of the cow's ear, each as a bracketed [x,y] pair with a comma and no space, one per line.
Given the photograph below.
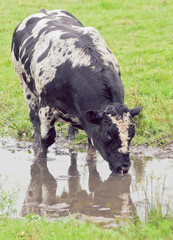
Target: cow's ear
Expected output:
[93,116]
[135,111]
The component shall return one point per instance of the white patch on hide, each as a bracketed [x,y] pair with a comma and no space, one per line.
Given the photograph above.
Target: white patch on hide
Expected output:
[100,45]
[55,57]
[46,116]
[49,64]
[65,117]
[123,126]
[92,141]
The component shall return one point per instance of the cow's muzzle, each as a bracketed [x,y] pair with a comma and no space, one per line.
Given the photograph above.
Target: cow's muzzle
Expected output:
[121,164]
[120,168]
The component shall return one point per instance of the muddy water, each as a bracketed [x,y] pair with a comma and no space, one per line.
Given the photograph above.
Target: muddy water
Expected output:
[69,183]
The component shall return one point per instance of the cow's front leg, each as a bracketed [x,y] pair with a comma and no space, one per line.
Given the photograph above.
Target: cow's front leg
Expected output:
[47,128]
[72,131]
[36,124]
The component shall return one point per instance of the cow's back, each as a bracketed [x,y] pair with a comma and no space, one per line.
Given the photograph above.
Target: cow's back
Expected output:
[45,41]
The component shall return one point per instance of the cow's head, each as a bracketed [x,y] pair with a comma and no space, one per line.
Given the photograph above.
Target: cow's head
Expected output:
[111,134]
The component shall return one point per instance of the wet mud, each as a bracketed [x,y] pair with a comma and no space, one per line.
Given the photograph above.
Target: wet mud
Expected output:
[68,183]
[148,151]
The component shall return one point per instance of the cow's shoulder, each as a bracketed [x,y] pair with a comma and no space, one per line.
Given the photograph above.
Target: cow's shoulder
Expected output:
[99,44]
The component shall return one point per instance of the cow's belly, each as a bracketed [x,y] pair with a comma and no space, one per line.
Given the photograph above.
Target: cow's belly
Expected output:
[67,118]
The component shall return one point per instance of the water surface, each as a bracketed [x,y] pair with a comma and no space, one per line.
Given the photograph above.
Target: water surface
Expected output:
[69,184]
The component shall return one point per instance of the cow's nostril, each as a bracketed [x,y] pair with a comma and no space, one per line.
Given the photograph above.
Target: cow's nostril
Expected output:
[125,169]
[126,155]
[121,168]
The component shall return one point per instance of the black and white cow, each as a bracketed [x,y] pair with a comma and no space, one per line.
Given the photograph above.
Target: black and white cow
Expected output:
[68,73]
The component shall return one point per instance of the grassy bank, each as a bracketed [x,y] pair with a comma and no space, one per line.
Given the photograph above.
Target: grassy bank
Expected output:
[141,37]
[73,229]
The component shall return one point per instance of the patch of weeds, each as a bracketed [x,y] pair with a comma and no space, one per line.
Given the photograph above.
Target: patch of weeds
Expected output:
[34,217]
[155,204]
[22,129]
[81,138]
[62,129]
[7,200]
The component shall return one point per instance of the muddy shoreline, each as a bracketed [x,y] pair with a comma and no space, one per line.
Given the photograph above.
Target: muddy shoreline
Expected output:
[149,151]
[137,151]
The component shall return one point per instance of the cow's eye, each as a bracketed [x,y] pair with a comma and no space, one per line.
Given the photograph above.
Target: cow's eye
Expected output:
[107,138]
[107,123]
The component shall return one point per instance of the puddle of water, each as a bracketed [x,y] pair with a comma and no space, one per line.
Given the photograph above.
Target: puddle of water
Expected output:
[67,184]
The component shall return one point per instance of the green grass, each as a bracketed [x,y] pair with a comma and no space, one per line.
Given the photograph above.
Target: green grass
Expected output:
[140,35]
[38,228]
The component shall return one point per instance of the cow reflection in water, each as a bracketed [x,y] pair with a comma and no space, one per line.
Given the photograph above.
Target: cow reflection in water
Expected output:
[107,199]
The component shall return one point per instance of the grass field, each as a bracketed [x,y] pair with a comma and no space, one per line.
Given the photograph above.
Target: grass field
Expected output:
[35,228]
[139,33]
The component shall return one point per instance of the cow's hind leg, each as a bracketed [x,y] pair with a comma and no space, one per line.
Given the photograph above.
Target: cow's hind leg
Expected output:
[35,120]
[33,104]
